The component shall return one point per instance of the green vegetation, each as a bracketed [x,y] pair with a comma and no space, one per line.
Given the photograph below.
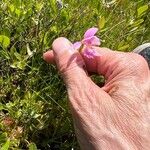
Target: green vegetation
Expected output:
[33,101]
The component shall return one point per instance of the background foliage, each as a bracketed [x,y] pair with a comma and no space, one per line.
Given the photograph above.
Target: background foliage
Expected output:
[33,102]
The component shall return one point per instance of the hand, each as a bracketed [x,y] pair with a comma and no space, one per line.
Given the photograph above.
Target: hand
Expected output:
[116,116]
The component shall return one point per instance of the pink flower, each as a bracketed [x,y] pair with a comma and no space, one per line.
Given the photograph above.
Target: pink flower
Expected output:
[88,41]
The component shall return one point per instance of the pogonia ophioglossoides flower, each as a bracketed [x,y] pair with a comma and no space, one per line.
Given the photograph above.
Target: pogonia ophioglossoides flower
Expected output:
[88,41]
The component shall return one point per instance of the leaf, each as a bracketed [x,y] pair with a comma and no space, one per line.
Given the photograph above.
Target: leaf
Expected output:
[1,106]
[54,29]
[17,12]
[102,22]
[21,65]
[29,52]
[53,5]
[39,6]
[125,47]
[137,23]
[64,15]
[32,146]
[17,3]
[3,136]
[5,54]
[18,56]
[142,9]
[6,32]
[4,40]
[6,145]
[12,8]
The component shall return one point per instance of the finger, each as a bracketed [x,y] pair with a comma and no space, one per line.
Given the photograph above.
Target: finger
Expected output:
[49,57]
[69,62]
[119,68]
[92,63]
[112,63]
[109,57]
[81,90]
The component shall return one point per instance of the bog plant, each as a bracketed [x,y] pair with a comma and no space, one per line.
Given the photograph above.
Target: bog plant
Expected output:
[87,44]
[33,102]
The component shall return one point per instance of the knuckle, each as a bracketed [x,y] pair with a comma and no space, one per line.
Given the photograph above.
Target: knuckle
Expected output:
[138,61]
[71,64]
[132,65]
[133,61]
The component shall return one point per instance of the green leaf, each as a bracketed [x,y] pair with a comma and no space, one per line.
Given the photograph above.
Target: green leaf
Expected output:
[142,9]
[1,106]
[6,32]
[18,56]
[17,3]
[5,54]
[17,12]
[39,6]
[3,136]
[102,22]
[53,5]
[124,47]
[64,15]
[137,23]
[4,40]
[21,65]
[32,146]
[6,145]
[12,8]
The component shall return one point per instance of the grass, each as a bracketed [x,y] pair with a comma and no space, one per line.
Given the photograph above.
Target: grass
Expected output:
[34,113]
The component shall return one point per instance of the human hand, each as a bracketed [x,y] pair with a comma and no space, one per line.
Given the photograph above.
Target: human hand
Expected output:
[116,116]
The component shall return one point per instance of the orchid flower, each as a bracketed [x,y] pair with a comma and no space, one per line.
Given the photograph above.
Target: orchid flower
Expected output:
[87,43]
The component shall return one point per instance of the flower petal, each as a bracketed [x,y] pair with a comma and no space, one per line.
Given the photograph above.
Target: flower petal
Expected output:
[92,41]
[90,53]
[90,32]
[77,45]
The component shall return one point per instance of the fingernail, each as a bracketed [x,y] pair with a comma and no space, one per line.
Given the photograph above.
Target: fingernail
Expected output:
[60,45]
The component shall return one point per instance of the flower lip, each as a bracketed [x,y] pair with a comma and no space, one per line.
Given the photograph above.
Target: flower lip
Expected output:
[92,41]
[89,40]
[90,32]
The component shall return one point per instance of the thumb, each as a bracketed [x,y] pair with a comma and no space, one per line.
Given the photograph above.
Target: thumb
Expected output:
[118,67]
[69,62]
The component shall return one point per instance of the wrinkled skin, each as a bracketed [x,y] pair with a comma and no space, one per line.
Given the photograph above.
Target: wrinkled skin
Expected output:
[116,116]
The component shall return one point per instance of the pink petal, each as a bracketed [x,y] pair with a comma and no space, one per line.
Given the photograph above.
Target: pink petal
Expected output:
[92,41]
[77,45]
[90,32]
[90,53]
